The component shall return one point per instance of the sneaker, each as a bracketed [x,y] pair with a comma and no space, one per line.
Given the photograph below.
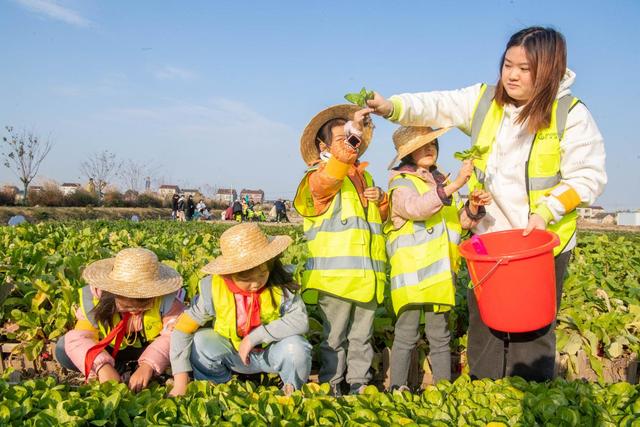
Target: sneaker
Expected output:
[335,390]
[356,388]
[288,389]
[399,388]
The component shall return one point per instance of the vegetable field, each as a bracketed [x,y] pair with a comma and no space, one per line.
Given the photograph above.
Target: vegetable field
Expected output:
[597,337]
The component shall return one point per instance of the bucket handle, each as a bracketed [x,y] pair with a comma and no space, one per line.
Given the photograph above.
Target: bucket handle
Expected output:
[489,273]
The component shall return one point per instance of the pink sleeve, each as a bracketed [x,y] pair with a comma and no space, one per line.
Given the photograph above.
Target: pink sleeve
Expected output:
[156,354]
[409,205]
[78,341]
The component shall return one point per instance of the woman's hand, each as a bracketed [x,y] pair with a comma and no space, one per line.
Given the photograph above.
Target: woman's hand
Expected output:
[244,350]
[180,382]
[536,222]
[380,105]
[359,117]
[108,373]
[374,194]
[141,377]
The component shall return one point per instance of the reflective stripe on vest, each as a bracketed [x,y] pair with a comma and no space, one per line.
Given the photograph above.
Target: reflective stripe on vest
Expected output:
[542,169]
[423,254]
[151,319]
[347,256]
[224,304]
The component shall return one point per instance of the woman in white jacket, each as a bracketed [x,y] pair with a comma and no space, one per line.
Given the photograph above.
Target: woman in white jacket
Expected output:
[545,157]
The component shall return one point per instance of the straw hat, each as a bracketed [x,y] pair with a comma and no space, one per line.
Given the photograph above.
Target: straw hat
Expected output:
[243,247]
[133,273]
[408,139]
[308,147]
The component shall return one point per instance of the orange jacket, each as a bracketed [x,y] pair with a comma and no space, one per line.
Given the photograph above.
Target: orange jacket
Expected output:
[326,181]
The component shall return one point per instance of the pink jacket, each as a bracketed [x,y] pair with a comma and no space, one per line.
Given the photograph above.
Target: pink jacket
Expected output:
[408,205]
[79,340]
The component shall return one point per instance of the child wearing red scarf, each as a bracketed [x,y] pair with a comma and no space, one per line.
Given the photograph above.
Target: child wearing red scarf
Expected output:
[258,321]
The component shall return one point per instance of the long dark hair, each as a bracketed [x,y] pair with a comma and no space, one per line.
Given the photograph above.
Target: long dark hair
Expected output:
[106,308]
[546,52]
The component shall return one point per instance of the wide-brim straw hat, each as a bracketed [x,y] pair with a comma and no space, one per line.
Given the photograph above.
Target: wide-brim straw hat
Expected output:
[408,139]
[133,273]
[245,246]
[308,149]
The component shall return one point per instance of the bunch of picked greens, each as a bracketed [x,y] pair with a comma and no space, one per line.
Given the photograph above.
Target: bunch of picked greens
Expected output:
[474,152]
[360,98]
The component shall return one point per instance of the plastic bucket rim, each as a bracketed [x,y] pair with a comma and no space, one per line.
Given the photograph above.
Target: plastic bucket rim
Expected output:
[471,255]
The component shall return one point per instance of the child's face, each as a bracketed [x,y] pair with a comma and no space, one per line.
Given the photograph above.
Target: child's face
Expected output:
[337,136]
[133,305]
[425,156]
[252,280]
[516,76]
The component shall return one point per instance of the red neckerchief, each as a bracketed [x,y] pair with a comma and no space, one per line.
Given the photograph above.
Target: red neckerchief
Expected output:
[118,333]
[251,306]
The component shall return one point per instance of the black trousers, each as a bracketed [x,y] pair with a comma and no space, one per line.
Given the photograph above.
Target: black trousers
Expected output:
[530,355]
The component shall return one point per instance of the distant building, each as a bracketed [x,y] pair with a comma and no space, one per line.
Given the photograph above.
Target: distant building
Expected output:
[168,190]
[32,189]
[628,218]
[195,193]
[68,188]
[225,195]
[11,190]
[257,196]
[590,212]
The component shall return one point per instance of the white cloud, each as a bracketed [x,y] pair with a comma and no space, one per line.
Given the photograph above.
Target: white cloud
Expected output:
[173,73]
[53,10]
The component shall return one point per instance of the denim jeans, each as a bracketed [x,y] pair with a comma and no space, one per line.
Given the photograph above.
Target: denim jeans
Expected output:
[213,358]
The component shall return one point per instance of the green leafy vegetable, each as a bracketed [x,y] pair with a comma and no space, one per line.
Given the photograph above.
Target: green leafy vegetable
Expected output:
[474,152]
[359,98]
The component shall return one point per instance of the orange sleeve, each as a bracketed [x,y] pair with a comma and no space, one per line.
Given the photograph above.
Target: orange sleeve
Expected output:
[323,188]
[383,206]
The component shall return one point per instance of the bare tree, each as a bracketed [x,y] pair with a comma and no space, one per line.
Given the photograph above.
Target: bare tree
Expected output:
[209,190]
[101,167]
[23,153]
[133,173]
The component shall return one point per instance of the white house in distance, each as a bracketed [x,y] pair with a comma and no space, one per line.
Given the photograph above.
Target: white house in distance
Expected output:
[193,192]
[256,196]
[168,190]
[225,195]
[68,188]
[589,212]
[628,218]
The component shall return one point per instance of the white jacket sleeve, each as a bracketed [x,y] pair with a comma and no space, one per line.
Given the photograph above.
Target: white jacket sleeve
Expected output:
[582,165]
[436,109]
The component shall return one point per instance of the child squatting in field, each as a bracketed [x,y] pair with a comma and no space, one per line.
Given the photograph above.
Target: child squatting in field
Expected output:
[259,319]
[125,317]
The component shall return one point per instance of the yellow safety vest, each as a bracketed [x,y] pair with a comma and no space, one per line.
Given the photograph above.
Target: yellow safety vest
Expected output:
[424,255]
[224,304]
[151,319]
[347,256]
[542,170]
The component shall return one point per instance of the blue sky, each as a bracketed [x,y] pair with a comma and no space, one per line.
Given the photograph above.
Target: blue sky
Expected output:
[217,93]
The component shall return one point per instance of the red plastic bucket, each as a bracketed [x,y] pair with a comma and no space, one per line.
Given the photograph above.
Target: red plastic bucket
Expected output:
[515,283]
